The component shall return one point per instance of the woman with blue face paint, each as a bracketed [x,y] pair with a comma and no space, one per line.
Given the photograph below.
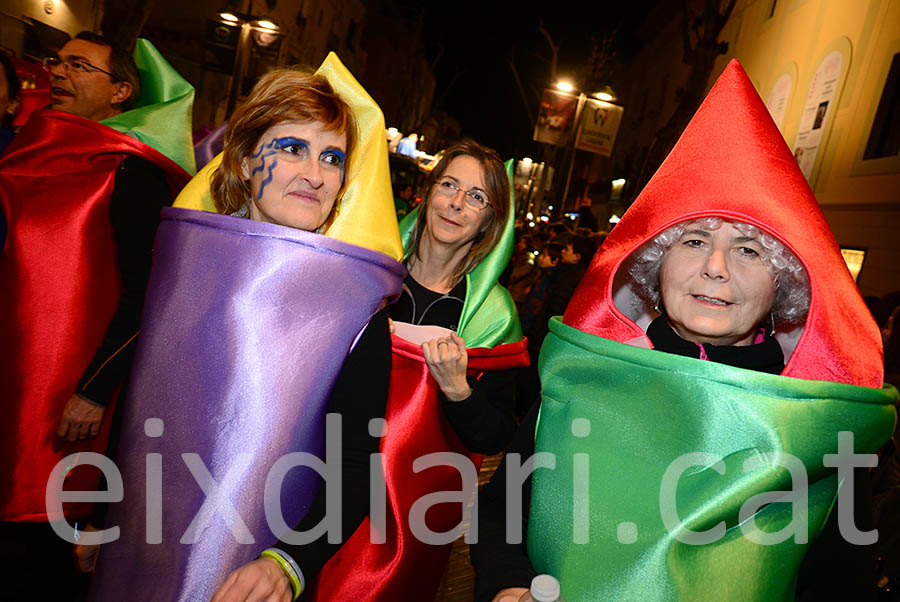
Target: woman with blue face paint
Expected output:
[282,346]
[284,162]
[286,153]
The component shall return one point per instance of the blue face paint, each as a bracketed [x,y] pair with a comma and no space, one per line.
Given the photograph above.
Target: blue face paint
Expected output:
[287,141]
[277,144]
[272,149]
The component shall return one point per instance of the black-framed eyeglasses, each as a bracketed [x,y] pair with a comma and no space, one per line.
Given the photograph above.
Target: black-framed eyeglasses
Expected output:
[475,198]
[73,64]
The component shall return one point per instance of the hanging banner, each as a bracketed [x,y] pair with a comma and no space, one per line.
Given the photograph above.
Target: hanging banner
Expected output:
[556,117]
[820,104]
[599,126]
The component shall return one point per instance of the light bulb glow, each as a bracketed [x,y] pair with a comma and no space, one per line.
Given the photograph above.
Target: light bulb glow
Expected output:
[266,24]
[565,86]
[230,17]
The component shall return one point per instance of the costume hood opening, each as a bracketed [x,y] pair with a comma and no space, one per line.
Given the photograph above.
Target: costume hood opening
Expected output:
[732,162]
[628,298]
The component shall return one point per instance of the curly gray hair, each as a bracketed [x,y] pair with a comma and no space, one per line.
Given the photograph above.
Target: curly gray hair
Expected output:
[792,290]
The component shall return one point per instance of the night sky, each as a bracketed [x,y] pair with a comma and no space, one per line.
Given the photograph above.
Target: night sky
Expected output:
[475,83]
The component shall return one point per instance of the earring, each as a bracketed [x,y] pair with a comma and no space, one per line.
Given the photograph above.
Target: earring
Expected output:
[772,318]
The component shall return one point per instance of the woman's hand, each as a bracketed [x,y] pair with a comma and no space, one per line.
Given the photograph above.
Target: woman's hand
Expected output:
[86,556]
[511,594]
[261,581]
[447,360]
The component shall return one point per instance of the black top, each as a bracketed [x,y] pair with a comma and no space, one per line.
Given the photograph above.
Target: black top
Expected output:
[419,305]
[139,194]
[765,356]
[498,564]
[483,421]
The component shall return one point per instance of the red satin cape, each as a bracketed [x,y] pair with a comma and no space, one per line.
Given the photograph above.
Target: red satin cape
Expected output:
[61,283]
[405,568]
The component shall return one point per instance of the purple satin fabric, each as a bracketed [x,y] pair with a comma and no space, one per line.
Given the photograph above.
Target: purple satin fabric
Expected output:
[211,145]
[245,329]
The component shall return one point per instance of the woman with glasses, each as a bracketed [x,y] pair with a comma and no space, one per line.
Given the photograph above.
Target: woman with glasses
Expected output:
[456,339]
[461,220]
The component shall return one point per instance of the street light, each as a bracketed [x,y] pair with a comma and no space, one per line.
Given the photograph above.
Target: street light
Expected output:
[606,94]
[248,23]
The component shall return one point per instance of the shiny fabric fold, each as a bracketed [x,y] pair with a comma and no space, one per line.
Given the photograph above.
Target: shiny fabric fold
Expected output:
[405,568]
[245,329]
[162,117]
[645,409]
[61,285]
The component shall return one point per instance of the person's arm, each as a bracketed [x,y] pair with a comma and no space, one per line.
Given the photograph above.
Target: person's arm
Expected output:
[481,412]
[499,565]
[139,194]
[484,421]
[359,395]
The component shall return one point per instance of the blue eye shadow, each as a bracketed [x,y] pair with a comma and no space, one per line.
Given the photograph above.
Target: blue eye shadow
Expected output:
[290,141]
[338,152]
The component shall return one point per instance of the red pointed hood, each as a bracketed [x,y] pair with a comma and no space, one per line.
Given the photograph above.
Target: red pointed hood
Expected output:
[731,161]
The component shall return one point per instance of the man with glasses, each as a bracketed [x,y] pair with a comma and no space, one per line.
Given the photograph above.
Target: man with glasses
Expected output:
[92,79]
[82,193]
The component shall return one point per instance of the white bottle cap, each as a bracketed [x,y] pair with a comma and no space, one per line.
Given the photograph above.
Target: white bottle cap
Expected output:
[545,588]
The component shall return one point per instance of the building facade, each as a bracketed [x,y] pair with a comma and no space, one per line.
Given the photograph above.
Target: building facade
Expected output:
[824,69]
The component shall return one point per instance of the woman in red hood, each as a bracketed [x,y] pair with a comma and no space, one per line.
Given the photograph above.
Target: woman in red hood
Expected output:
[725,263]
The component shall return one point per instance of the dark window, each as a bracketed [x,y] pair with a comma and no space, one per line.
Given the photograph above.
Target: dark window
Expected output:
[351,35]
[884,139]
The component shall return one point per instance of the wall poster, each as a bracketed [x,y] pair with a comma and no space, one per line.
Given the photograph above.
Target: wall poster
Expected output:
[818,110]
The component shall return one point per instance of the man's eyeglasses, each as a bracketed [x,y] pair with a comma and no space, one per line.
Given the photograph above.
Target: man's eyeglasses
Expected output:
[475,198]
[73,64]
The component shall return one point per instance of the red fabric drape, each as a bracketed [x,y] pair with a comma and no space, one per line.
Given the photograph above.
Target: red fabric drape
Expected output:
[404,568]
[61,284]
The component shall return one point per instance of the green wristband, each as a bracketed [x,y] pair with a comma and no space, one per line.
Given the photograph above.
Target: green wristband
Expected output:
[286,568]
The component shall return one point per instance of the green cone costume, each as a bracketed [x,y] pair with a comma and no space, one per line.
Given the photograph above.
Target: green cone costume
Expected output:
[651,446]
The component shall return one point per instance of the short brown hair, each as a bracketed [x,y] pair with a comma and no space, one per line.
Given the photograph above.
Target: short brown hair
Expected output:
[122,68]
[280,95]
[497,185]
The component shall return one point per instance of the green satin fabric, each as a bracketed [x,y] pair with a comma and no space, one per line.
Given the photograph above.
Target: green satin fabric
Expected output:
[162,118]
[646,408]
[489,316]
